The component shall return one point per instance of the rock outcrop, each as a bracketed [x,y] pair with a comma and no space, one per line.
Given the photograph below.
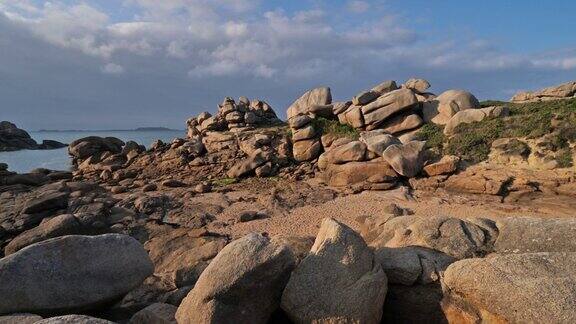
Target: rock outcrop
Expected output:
[71,273]
[339,281]
[441,109]
[234,116]
[473,115]
[563,91]
[13,138]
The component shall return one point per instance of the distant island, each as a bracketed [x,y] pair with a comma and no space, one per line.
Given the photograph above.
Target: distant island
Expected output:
[139,129]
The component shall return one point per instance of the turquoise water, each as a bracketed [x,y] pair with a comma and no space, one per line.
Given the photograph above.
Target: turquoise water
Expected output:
[24,161]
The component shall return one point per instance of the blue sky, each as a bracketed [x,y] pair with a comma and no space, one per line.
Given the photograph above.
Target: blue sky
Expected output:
[72,64]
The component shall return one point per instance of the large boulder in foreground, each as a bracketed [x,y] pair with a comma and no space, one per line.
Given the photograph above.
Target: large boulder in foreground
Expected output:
[72,273]
[243,284]
[519,288]
[338,282]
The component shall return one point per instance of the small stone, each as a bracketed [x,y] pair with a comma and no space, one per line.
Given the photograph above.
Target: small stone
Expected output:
[172,183]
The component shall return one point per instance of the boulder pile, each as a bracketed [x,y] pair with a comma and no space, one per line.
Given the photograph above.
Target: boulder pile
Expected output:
[13,138]
[234,116]
[386,120]
[564,91]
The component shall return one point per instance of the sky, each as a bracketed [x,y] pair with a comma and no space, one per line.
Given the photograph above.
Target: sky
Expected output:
[111,64]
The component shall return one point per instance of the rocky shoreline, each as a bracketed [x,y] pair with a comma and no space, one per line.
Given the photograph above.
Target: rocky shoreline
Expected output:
[13,138]
[341,215]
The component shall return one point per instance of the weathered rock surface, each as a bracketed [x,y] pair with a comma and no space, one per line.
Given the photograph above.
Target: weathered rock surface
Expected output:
[377,141]
[418,85]
[402,123]
[307,150]
[375,113]
[181,255]
[523,235]
[307,104]
[375,174]
[71,273]
[354,151]
[58,226]
[522,288]
[565,90]
[406,159]
[338,282]
[385,87]
[243,284]
[157,313]
[452,236]
[469,116]
[446,105]
[256,159]
[447,165]
[74,319]
[22,318]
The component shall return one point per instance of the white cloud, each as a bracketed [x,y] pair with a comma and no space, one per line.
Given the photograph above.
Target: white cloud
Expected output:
[234,29]
[112,68]
[208,45]
[218,69]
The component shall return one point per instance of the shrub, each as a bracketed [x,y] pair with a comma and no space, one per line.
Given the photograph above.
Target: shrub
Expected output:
[472,142]
[329,126]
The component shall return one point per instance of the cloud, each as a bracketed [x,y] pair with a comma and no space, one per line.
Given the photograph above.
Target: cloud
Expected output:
[112,68]
[184,55]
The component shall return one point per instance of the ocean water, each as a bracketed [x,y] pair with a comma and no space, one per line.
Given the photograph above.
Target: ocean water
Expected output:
[26,160]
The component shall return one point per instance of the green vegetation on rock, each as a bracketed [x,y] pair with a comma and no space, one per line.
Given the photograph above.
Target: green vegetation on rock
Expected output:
[224,182]
[329,126]
[472,142]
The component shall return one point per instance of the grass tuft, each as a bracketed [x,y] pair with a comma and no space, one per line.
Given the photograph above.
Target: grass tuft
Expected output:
[329,126]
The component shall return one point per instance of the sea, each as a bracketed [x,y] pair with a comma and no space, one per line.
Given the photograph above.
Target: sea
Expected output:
[26,160]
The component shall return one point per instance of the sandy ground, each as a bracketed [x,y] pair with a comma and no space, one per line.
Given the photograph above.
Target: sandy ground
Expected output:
[305,221]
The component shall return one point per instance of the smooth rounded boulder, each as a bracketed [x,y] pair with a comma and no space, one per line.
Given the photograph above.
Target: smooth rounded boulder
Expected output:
[243,284]
[338,282]
[516,288]
[72,273]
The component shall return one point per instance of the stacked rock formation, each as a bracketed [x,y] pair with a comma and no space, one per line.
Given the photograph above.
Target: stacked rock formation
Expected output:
[232,116]
[13,138]
[563,91]
[387,119]
[305,136]
[386,107]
